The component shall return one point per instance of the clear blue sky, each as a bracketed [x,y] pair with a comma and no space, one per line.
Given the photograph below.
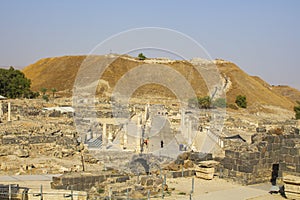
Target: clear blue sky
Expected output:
[261,36]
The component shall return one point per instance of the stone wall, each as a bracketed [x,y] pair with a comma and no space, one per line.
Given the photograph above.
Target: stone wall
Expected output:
[249,164]
[84,182]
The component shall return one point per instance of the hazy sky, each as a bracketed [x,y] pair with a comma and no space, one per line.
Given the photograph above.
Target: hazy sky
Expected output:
[262,37]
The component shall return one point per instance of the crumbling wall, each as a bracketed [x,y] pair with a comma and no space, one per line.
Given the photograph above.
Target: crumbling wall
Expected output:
[249,164]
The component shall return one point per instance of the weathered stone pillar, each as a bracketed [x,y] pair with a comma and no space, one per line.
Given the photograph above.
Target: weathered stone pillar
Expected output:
[182,121]
[125,136]
[147,112]
[189,131]
[9,110]
[110,137]
[104,137]
[139,135]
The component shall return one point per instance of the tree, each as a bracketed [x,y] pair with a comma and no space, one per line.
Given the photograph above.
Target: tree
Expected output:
[200,102]
[241,101]
[43,91]
[297,110]
[53,90]
[141,56]
[14,84]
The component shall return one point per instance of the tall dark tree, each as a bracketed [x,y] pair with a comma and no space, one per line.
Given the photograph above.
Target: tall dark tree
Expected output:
[14,84]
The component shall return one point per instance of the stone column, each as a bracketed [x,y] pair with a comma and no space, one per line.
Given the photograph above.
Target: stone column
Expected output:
[110,137]
[147,112]
[104,138]
[138,134]
[9,110]
[182,122]
[189,131]
[125,137]
[89,135]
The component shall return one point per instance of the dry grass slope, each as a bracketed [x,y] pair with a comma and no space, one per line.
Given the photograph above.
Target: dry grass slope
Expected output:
[60,73]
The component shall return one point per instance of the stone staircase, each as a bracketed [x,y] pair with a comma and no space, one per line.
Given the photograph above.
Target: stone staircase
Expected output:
[95,143]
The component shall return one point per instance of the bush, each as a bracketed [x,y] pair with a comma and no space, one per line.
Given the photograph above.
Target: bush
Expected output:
[141,56]
[200,102]
[46,98]
[297,110]
[205,102]
[241,101]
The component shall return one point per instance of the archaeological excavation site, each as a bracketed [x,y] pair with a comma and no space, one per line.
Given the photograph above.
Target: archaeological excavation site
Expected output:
[100,129]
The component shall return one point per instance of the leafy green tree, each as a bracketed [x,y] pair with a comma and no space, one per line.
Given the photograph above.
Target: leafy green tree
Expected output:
[220,103]
[241,101]
[53,90]
[205,102]
[297,110]
[141,56]
[43,91]
[14,84]
[200,102]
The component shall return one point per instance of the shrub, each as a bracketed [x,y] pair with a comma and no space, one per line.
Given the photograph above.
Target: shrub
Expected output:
[200,102]
[241,101]
[141,56]
[297,110]
[46,98]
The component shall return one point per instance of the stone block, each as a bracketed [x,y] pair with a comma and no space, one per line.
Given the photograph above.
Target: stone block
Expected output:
[293,151]
[199,156]
[291,195]
[244,155]
[257,155]
[204,175]
[246,169]
[229,153]
[232,173]
[239,162]
[235,167]
[205,170]
[227,160]
[122,179]
[276,146]
[289,159]
[227,166]
[252,155]
[236,154]
[291,167]
[254,162]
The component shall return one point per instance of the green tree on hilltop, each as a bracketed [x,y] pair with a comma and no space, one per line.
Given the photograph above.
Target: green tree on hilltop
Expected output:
[141,56]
